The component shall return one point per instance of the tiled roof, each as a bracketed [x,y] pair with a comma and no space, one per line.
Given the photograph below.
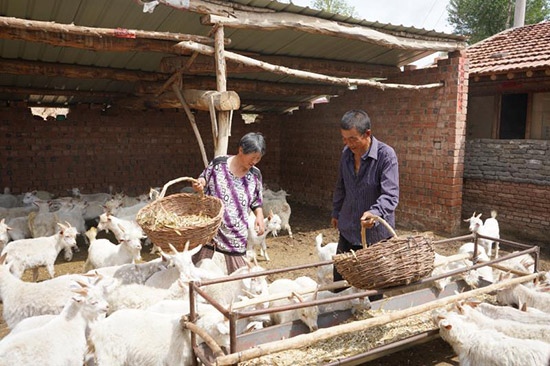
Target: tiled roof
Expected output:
[524,48]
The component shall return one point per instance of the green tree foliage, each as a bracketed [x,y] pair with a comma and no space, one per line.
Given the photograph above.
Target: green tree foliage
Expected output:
[480,19]
[335,6]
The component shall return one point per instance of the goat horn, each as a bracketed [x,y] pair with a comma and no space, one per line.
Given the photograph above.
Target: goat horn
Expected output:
[174,249]
[121,228]
[186,246]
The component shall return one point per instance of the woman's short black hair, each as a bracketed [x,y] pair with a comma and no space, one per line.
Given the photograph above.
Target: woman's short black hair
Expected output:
[356,118]
[253,142]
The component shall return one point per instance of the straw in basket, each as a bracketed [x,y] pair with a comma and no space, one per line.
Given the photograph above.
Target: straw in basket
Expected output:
[182,204]
[393,262]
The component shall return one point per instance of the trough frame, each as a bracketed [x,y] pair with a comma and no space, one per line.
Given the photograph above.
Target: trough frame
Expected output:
[415,297]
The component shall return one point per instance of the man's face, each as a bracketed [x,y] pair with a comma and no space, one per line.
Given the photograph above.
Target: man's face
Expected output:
[356,142]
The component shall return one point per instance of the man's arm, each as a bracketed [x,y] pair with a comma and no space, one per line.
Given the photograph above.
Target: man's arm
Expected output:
[338,197]
[389,188]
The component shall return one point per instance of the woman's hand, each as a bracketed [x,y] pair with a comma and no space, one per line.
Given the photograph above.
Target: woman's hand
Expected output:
[198,186]
[259,224]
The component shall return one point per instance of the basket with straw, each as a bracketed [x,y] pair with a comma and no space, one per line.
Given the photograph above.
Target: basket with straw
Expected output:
[392,262]
[181,217]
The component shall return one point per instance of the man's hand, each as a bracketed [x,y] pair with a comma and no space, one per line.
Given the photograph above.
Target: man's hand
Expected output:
[198,186]
[334,223]
[368,219]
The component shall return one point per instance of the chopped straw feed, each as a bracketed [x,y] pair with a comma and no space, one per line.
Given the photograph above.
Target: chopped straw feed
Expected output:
[352,344]
[163,219]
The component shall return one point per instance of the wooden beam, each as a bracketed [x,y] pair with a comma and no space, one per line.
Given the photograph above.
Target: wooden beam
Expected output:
[308,24]
[62,92]
[213,7]
[20,67]
[248,86]
[151,82]
[232,16]
[207,50]
[205,65]
[222,101]
[96,39]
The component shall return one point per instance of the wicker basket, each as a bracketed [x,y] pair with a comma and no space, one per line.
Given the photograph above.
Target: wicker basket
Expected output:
[393,262]
[183,204]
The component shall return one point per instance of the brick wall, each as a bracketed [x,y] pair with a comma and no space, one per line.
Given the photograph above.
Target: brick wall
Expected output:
[512,177]
[135,150]
[129,150]
[426,128]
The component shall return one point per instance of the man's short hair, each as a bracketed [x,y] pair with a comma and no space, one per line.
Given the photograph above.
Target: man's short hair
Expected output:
[356,118]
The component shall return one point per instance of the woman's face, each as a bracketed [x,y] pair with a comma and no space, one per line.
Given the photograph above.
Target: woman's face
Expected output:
[250,159]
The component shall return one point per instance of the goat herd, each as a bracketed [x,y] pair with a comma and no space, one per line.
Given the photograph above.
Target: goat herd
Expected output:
[121,312]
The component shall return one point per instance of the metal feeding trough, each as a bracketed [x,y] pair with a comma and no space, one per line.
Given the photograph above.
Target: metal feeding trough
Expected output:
[245,346]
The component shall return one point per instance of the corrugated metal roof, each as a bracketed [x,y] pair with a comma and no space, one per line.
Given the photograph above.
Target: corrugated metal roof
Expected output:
[129,15]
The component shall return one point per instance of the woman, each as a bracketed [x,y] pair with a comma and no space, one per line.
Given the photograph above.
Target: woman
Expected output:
[238,183]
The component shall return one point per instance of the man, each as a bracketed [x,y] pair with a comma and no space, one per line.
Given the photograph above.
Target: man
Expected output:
[367,186]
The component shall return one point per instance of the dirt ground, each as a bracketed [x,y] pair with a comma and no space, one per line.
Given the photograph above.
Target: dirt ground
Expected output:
[308,222]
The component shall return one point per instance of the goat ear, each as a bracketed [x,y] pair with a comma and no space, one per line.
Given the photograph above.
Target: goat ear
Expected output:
[523,307]
[195,250]
[448,327]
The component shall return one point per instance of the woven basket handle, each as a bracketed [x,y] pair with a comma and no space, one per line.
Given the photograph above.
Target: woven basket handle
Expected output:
[364,234]
[177,180]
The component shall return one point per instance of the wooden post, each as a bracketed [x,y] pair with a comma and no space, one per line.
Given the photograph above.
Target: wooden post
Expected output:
[326,333]
[221,85]
[192,121]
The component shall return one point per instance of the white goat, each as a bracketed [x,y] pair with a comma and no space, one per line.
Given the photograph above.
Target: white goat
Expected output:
[37,252]
[132,273]
[4,236]
[8,200]
[118,340]
[325,253]
[92,197]
[135,296]
[19,228]
[30,197]
[119,227]
[61,341]
[308,315]
[276,203]
[103,253]
[73,213]
[488,347]
[490,228]
[520,295]
[181,264]
[25,299]
[272,224]
[486,271]
[42,223]
[354,304]
[510,328]
[510,313]
[470,277]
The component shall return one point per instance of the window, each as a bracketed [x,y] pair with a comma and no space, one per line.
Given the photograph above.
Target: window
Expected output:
[513,116]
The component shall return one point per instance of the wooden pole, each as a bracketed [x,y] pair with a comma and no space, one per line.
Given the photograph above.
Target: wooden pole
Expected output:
[192,121]
[282,70]
[221,84]
[326,333]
